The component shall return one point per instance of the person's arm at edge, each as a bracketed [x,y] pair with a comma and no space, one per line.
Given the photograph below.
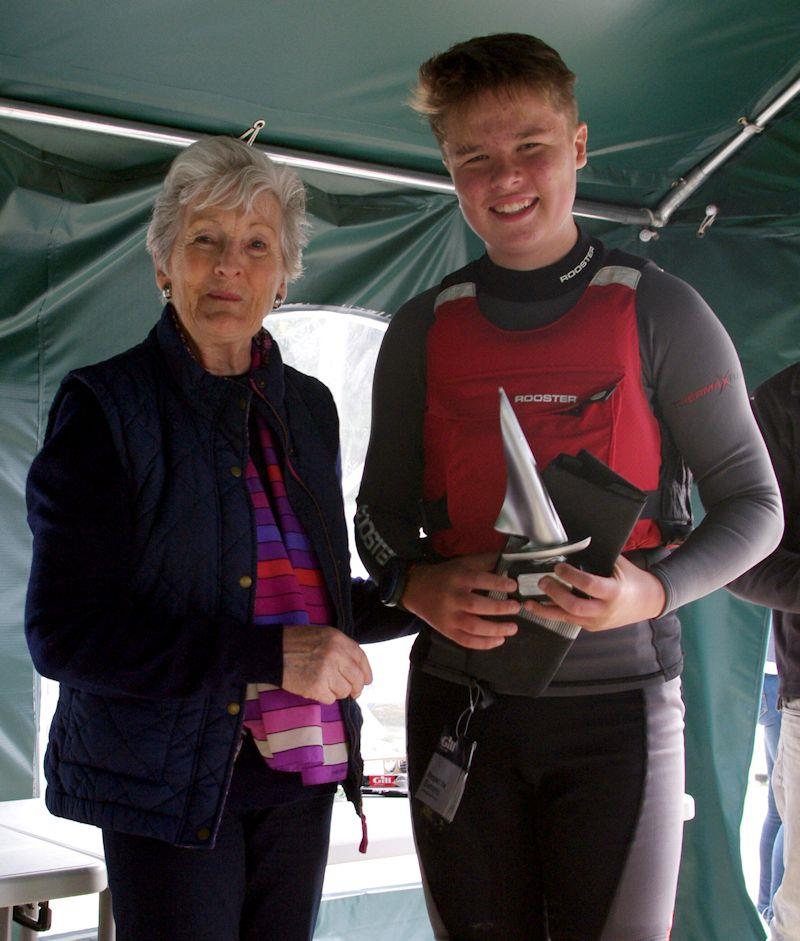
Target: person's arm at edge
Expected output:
[775,581]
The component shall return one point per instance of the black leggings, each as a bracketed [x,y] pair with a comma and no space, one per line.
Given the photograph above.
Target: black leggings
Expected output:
[571,822]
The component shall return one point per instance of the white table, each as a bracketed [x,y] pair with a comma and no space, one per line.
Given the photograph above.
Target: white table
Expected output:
[33,869]
[388,820]
[33,818]
[389,830]
[389,861]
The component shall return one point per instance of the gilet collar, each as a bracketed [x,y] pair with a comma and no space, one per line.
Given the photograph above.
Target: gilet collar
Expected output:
[207,392]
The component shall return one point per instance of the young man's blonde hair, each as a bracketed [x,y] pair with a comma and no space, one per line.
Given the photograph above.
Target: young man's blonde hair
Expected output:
[502,62]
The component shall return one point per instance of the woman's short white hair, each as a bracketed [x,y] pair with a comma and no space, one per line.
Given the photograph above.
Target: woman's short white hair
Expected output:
[229,174]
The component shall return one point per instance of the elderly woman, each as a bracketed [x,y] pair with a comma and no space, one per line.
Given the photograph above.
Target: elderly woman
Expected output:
[190,586]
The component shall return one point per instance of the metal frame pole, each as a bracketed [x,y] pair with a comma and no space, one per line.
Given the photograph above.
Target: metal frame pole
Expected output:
[171,137]
[650,219]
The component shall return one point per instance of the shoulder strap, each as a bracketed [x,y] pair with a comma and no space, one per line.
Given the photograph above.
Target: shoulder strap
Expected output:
[466,274]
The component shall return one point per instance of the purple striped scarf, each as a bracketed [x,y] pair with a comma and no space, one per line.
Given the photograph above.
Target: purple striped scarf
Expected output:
[291,732]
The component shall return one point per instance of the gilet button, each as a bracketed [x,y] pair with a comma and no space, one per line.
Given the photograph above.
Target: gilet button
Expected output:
[236,470]
[203,833]
[242,404]
[233,708]
[245,581]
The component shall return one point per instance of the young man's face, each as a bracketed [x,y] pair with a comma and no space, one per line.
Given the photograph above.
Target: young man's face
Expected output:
[513,160]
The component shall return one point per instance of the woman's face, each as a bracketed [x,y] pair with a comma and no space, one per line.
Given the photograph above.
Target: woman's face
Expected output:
[225,270]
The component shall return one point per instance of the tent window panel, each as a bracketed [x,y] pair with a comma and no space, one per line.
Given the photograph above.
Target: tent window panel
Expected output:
[340,347]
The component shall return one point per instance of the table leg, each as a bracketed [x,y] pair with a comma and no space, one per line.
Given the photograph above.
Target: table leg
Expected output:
[106,930]
[5,923]
[26,934]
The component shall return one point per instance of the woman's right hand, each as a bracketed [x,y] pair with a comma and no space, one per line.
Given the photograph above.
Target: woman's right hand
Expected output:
[322,663]
[445,595]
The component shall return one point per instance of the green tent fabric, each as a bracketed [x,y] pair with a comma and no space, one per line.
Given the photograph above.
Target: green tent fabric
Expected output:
[662,82]
[662,86]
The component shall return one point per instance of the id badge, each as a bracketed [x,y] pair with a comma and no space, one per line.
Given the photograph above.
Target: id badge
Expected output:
[445,778]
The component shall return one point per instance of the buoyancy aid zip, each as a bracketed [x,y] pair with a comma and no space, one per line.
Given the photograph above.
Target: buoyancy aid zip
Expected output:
[594,399]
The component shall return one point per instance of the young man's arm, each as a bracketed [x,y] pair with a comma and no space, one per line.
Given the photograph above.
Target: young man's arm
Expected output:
[693,372]
[388,505]
[388,518]
[701,392]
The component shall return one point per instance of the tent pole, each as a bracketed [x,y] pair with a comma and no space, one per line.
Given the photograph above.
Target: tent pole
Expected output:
[658,218]
[685,187]
[171,137]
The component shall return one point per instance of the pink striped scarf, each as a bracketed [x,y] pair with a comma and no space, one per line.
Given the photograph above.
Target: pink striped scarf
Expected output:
[291,733]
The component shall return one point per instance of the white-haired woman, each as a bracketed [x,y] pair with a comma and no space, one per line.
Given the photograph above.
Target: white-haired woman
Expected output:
[190,585]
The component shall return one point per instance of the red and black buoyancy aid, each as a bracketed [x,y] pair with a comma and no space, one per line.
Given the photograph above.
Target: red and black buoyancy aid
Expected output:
[574,384]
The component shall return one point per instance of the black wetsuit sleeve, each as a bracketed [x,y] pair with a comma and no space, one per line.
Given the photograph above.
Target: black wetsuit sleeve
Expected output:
[775,581]
[388,516]
[693,374]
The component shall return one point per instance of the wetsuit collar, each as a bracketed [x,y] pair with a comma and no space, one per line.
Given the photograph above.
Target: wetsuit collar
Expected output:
[575,269]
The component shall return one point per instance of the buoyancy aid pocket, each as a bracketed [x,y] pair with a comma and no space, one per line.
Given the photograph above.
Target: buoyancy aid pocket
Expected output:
[566,423]
[560,411]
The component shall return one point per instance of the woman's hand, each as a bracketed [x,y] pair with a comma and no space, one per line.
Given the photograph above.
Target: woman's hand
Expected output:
[630,594]
[324,664]
[445,595]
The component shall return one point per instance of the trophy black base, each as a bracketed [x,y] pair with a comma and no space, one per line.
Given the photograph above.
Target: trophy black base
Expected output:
[523,665]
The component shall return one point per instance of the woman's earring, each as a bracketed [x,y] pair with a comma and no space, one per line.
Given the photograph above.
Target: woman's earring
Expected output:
[166,292]
[277,302]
